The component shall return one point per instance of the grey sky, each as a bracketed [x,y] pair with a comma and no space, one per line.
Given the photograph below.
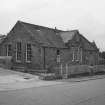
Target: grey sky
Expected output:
[86,15]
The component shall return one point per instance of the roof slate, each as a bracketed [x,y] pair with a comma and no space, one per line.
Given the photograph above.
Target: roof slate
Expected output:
[50,37]
[45,36]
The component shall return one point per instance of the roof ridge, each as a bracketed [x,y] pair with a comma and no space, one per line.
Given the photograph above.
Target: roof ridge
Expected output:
[39,26]
[88,41]
[75,30]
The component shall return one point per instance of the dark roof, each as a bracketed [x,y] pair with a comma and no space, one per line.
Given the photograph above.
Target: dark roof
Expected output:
[44,36]
[50,37]
[87,44]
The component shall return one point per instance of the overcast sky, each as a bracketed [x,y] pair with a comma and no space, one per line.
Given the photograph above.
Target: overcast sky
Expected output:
[86,15]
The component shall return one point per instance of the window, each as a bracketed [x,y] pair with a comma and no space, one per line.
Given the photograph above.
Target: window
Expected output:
[81,55]
[58,52]
[28,53]
[18,51]
[9,50]
[75,54]
[58,56]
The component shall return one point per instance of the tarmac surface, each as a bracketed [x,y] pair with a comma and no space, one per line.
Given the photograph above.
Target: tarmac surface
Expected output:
[12,80]
[90,92]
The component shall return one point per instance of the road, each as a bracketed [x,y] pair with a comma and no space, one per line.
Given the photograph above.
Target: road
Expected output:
[90,92]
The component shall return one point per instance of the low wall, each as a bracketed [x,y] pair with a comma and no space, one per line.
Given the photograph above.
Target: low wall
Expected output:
[78,69]
[5,62]
[99,68]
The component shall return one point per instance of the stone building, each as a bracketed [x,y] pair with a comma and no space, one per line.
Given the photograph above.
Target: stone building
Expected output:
[39,48]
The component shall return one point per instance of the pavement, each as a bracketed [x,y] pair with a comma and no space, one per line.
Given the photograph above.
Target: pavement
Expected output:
[18,88]
[85,78]
[12,80]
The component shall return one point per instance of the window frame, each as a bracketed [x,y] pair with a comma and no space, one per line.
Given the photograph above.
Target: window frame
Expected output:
[77,54]
[29,53]
[8,51]
[73,54]
[58,59]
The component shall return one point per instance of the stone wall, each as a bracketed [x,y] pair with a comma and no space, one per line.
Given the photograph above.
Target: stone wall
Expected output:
[66,57]
[91,57]
[19,34]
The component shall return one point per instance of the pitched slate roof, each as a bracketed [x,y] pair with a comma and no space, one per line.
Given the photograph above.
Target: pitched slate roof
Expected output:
[87,45]
[50,37]
[70,35]
[44,36]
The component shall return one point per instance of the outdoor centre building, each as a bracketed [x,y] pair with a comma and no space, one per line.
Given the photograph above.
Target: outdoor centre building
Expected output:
[39,48]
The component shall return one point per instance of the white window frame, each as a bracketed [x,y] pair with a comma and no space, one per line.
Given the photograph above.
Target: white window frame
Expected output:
[77,54]
[28,61]
[7,49]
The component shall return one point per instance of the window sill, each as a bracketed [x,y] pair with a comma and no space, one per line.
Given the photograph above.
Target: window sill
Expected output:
[28,61]
[75,60]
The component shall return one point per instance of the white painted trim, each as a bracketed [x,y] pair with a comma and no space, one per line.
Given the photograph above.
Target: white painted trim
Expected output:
[78,54]
[26,54]
[7,49]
